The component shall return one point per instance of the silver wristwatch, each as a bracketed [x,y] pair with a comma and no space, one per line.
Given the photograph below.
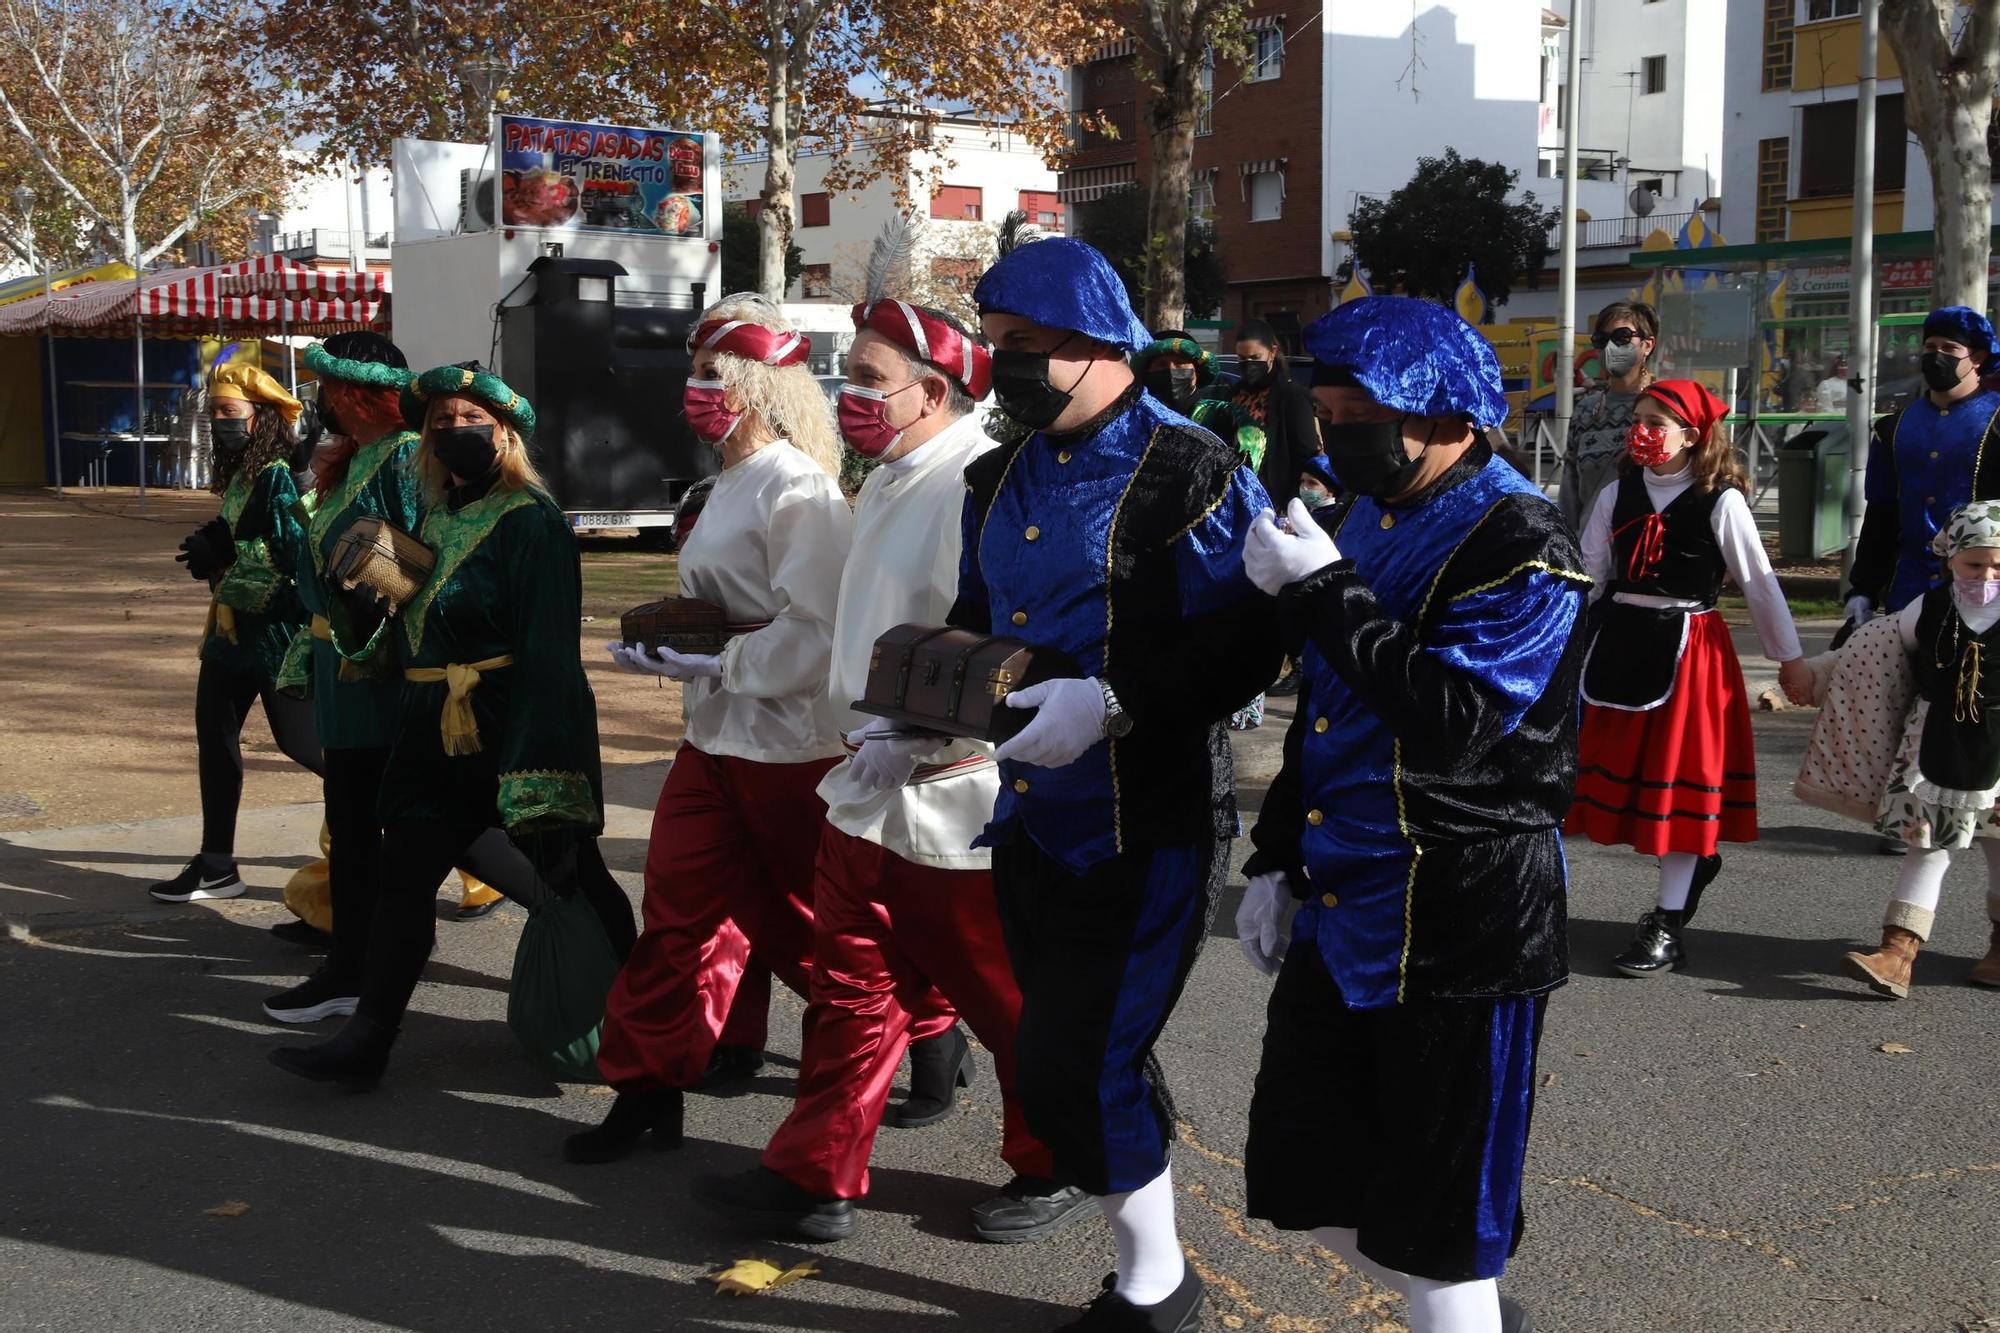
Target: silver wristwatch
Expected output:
[1117,722]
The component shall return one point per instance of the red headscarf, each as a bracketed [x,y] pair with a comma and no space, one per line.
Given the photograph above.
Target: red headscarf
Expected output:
[932,341]
[753,342]
[1690,402]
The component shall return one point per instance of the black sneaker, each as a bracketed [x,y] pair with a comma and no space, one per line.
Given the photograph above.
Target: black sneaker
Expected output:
[730,1065]
[1285,686]
[1656,946]
[321,995]
[1112,1313]
[302,933]
[198,882]
[1030,1208]
[775,1206]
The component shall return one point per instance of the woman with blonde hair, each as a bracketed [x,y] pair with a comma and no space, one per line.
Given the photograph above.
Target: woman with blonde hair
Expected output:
[495,762]
[730,866]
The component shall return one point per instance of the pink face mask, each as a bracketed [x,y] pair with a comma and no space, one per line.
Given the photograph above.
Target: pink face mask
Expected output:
[707,416]
[864,419]
[1649,446]
[1977,592]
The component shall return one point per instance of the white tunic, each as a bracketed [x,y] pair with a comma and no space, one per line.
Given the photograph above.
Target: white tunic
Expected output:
[904,570]
[769,546]
[1742,555]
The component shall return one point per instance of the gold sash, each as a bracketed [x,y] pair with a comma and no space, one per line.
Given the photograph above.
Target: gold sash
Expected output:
[456,723]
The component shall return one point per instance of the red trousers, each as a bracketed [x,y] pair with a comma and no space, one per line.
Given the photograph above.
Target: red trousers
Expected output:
[888,936]
[729,872]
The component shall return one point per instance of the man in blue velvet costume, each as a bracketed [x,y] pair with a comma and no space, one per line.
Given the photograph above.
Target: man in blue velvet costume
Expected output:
[1113,533]
[1410,849]
[1924,462]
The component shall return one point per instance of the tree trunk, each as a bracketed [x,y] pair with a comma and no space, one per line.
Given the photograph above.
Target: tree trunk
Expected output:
[1170,118]
[1962,194]
[1948,104]
[774,224]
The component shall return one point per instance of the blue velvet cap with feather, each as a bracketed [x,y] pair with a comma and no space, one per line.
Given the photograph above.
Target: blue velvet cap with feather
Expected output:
[1062,283]
[1415,356]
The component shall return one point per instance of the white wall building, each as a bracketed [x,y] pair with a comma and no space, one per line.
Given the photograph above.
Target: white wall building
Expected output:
[330,211]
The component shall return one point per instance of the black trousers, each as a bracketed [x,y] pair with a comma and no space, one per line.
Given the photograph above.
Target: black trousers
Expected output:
[351,789]
[416,854]
[222,699]
[1101,958]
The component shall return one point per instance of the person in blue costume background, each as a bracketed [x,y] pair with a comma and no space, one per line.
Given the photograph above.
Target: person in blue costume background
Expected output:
[1923,463]
[1113,533]
[1410,849]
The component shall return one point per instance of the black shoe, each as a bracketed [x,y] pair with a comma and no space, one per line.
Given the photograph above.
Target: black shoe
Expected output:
[1656,945]
[730,1064]
[775,1206]
[1030,1208]
[302,933]
[200,880]
[1514,1317]
[355,1056]
[1705,871]
[1112,1313]
[321,995]
[938,1068]
[1284,687]
[632,1116]
[1888,846]
[476,911]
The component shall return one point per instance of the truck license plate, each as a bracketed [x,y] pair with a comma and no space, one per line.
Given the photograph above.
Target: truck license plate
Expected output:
[578,521]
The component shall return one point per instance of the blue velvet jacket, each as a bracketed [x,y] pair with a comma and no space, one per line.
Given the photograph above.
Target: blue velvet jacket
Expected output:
[1923,462]
[1430,765]
[1122,546]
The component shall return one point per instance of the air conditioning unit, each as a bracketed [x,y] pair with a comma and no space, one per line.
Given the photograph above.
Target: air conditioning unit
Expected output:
[477,210]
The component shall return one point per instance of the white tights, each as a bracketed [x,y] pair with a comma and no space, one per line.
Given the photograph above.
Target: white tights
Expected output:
[1150,1263]
[1435,1307]
[1676,879]
[1922,880]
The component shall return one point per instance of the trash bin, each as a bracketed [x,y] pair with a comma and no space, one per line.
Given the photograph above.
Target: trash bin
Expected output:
[1813,480]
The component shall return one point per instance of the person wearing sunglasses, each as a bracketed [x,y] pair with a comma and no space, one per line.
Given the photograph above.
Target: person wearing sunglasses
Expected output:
[1624,335]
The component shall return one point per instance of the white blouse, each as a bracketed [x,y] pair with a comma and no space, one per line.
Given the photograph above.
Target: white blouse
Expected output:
[904,570]
[769,546]
[1742,555]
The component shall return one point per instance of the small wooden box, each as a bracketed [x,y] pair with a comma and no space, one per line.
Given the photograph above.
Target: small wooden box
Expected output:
[954,682]
[375,553]
[684,624]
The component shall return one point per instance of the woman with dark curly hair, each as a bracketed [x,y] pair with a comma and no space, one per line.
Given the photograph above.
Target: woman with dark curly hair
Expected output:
[255,615]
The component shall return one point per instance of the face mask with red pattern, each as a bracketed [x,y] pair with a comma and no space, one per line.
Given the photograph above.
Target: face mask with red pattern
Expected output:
[1650,445]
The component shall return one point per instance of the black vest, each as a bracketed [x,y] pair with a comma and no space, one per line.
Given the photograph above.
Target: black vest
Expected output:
[1961,744]
[1675,556]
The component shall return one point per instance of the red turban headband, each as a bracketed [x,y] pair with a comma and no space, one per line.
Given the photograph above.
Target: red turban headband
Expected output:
[1690,402]
[753,342]
[931,341]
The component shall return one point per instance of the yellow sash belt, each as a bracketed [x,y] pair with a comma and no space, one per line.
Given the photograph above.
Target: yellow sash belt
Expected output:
[224,619]
[456,723]
[321,630]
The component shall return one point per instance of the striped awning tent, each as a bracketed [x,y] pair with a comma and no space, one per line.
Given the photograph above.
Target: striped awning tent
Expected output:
[275,275]
[190,303]
[1258,168]
[1083,184]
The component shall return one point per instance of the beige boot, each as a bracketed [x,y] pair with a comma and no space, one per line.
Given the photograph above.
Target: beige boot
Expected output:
[1887,970]
[1986,972]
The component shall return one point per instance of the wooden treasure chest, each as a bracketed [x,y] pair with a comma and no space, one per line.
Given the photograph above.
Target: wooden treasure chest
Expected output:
[954,682]
[684,624]
[377,554]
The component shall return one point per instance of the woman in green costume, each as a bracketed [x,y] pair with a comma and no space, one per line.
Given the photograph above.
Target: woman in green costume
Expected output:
[251,623]
[495,762]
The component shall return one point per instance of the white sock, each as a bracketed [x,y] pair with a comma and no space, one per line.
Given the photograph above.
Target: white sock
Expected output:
[1150,1264]
[1676,879]
[1922,880]
[1435,1307]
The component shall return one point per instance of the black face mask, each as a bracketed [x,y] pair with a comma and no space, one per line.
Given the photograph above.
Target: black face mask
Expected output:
[467,452]
[228,437]
[1021,387]
[1173,386]
[1254,374]
[1940,370]
[1368,456]
[327,420]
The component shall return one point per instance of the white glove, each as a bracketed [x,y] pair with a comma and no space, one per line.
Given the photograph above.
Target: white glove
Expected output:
[1273,558]
[1860,610]
[621,655]
[1068,720]
[1264,921]
[886,760]
[675,666]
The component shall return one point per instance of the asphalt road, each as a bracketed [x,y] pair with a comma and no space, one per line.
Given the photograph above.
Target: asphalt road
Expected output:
[1727,1148]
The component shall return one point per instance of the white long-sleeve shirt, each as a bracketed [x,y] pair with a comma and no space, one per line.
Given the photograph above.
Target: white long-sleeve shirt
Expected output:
[769,546]
[1742,555]
[904,570]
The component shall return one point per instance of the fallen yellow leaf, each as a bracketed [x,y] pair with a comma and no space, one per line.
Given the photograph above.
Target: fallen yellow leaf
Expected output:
[234,1208]
[1895,1048]
[752,1277]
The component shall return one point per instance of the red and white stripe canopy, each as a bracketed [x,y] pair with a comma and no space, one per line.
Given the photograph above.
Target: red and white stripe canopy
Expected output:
[197,302]
[275,275]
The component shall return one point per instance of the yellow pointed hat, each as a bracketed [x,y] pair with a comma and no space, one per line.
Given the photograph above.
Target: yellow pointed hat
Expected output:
[241,379]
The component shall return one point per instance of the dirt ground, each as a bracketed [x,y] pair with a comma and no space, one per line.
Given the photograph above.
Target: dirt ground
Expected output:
[99,629]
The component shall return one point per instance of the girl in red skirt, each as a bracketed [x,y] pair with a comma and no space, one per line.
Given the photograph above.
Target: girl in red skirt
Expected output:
[1665,765]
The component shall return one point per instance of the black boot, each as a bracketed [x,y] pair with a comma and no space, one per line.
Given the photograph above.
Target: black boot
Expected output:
[1514,1316]
[1656,945]
[355,1056]
[730,1064]
[1112,1313]
[302,933]
[938,1068]
[1705,871]
[775,1206]
[1030,1208]
[632,1115]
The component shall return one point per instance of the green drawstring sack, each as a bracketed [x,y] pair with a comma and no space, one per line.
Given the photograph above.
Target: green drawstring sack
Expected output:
[563,970]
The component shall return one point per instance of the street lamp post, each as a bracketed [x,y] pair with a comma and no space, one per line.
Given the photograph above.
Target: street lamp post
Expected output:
[485,78]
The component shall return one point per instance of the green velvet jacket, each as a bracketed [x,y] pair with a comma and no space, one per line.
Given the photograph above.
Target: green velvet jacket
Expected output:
[507,583]
[258,589]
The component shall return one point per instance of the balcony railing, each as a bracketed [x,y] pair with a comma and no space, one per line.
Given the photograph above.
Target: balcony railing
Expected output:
[1626,233]
[332,242]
